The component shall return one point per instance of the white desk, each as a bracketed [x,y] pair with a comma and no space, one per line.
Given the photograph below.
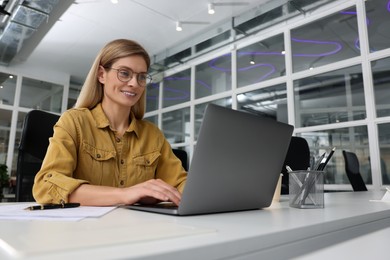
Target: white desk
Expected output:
[279,232]
[373,245]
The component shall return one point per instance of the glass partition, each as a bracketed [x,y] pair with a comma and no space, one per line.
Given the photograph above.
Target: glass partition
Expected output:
[214,76]
[18,137]
[324,41]
[5,129]
[378,14]
[38,94]
[261,61]
[270,102]
[333,97]
[152,96]
[384,148]
[7,89]
[153,119]
[353,139]
[176,88]
[74,92]
[381,82]
[176,125]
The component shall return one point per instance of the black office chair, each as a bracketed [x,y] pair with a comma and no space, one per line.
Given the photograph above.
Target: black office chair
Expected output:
[352,169]
[298,158]
[37,129]
[182,155]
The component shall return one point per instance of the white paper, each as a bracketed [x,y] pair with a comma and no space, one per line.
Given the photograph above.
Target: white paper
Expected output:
[17,211]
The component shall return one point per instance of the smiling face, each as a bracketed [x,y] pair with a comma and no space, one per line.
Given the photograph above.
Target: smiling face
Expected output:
[122,95]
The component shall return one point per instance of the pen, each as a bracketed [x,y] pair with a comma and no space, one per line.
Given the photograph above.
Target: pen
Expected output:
[319,162]
[53,206]
[322,166]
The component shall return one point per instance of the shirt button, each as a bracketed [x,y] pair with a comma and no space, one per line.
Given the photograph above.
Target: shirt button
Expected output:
[122,182]
[98,156]
[122,161]
[117,139]
[49,175]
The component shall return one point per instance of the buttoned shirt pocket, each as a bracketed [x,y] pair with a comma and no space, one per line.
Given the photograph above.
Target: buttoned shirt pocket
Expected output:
[100,163]
[146,165]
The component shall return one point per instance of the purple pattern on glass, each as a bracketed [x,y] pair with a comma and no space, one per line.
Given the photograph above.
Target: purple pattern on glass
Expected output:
[336,50]
[183,94]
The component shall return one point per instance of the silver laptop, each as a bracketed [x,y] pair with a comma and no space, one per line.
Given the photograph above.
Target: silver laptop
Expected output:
[235,166]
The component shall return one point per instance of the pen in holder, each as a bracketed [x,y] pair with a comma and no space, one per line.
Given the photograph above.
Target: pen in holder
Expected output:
[306,189]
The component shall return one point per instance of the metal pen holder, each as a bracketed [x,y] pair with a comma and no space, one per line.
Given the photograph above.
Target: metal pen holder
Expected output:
[306,189]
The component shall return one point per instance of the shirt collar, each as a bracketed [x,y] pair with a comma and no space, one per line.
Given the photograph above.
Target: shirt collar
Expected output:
[103,122]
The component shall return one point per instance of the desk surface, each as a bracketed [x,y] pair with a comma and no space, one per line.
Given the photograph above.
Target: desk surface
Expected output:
[278,232]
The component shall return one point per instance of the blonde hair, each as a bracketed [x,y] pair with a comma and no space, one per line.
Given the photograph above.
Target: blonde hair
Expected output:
[92,91]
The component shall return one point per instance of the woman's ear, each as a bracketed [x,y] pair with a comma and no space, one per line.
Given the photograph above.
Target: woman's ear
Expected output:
[101,75]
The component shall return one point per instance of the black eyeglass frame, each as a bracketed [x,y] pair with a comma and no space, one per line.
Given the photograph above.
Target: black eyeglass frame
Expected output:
[148,79]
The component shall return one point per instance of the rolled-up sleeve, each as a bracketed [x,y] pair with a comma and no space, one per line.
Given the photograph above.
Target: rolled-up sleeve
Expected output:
[170,168]
[54,182]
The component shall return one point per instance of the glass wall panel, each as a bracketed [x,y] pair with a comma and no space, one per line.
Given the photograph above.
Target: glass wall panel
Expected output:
[353,139]
[378,24]
[381,80]
[42,95]
[336,96]
[214,76]
[5,127]
[18,136]
[384,148]
[261,61]
[176,88]
[7,89]
[331,39]
[200,109]
[152,96]
[73,95]
[176,125]
[153,119]
[269,102]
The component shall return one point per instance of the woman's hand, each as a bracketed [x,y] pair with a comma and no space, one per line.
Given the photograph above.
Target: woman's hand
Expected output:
[148,192]
[151,192]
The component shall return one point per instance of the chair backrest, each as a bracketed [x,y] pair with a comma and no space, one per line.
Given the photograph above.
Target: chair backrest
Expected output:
[352,169]
[37,129]
[298,158]
[182,155]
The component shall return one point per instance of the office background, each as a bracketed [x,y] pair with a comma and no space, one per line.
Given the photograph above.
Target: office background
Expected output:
[321,66]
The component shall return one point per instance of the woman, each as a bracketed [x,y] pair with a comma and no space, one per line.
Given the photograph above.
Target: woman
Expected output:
[102,153]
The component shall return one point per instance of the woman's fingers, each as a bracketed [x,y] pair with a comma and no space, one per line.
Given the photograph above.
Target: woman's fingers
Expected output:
[157,189]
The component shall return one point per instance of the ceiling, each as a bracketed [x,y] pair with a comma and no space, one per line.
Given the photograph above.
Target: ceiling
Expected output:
[80,28]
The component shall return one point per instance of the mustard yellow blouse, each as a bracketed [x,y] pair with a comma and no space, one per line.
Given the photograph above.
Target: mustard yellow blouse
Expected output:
[84,149]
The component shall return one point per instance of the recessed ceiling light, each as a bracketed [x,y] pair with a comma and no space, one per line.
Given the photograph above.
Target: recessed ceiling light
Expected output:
[178,26]
[210,8]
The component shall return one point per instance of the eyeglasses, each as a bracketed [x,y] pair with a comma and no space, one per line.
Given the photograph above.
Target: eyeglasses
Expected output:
[125,75]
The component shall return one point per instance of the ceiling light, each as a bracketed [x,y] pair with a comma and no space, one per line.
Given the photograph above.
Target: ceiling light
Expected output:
[178,26]
[114,1]
[283,52]
[210,8]
[252,61]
